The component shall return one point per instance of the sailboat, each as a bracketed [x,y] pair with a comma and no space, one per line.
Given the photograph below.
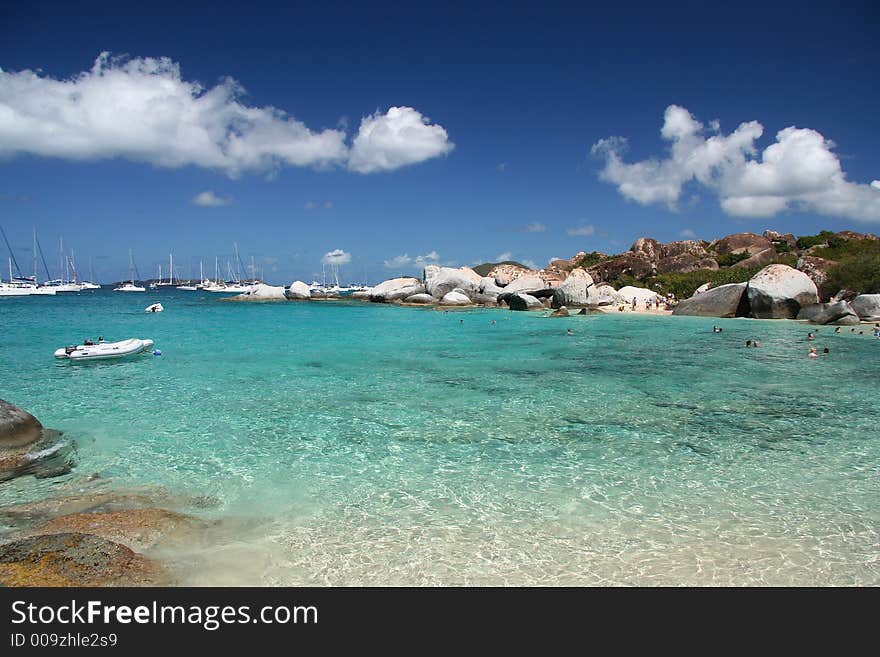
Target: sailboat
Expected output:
[170,282]
[14,288]
[64,283]
[130,286]
[192,288]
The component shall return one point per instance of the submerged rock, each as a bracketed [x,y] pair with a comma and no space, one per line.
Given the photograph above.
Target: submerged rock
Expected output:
[27,447]
[839,312]
[867,306]
[74,559]
[560,312]
[17,426]
[779,292]
[722,301]
[139,529]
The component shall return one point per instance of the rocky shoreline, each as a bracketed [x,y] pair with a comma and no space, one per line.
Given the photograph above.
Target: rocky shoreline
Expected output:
[777,290]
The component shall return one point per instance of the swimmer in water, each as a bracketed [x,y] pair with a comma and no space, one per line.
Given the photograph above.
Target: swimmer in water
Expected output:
[569,331]
[748,343]
[825,351]
[810,336]
[813,353]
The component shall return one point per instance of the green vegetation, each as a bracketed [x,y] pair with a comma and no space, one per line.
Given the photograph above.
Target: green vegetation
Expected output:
[825,236]
[486,267]
[590,259]
[729,259]
[683,284]
[782,246]
[857,268]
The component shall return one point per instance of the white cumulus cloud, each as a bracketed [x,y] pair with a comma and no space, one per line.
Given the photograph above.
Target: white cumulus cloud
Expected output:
[799,171]
[536,227]
[209,199]
[507,255]
[336,257]
[687,234]
[399,137]
[399,262]
[405,261]
[142,109]
[585,230]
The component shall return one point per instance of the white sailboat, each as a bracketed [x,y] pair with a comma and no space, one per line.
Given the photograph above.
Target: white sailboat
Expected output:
[64,283]
[193,288]
[14,288]
[130,286]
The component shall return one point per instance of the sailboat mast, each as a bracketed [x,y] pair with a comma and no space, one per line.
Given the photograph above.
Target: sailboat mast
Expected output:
[35,255]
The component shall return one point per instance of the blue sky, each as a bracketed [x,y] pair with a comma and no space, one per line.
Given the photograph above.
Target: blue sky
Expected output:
[495,154]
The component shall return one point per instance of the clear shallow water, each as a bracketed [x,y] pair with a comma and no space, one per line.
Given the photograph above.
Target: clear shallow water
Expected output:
[368,444]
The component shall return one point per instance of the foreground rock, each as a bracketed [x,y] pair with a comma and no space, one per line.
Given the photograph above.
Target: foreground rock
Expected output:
[27,447]
[867,306]
[722,301]
[779,292]
[524,302]
[74,559]
[139,529]
[439,281]
[396,289]
[17,426]
[574,292]
[298,291]
[840,313]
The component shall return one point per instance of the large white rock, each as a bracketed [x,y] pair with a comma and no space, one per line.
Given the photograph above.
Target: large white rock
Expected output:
[641,294]
[262,292]
[703,288]
[420,298]
[867,306]
[522,301]
[606,295]
[575,291]
[721,301]
[779,292]
[298,290]
[839,312]
[396,288]
[455,298]
[489,287]
[362,294]
[526,284]
[440,280]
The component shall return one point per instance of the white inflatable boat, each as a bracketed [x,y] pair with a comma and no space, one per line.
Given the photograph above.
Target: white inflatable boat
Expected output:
[155,308]
[104,350]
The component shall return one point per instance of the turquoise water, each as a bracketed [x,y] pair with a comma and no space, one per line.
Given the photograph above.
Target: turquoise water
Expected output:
[368,444]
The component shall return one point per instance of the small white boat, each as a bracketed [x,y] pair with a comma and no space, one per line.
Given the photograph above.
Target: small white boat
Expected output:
[104,350]
[155,308]
[129,287]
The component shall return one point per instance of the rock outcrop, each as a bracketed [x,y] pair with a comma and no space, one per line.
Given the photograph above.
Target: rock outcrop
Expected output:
[522,301]
[455,298]
[815,268]
[685,262]
[74,559]
[489,287]
[867,306]
[682,247]
[441,280]
[840,313]
[261,292]
[634,264]
[722,301]
[420,299]
[641,294]
[396,289]
[26,447]
[779,292]
[758,259]
[505,273]
[298,291]
[574,292]
[742,243]
[560,312]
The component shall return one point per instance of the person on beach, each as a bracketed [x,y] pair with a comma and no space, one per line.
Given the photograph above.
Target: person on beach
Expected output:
[813,353]
[634,303]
